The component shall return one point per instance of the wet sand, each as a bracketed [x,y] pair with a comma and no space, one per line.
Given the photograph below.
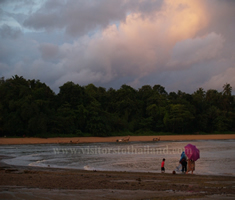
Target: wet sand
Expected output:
[49,183]
[112,139]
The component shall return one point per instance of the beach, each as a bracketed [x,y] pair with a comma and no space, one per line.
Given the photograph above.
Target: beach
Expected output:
[27,182]
[112,139]
[41,183]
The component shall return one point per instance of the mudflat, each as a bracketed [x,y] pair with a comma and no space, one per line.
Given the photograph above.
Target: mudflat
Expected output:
[19,182]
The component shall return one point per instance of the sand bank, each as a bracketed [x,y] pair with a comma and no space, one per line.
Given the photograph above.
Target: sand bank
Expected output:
[112,139]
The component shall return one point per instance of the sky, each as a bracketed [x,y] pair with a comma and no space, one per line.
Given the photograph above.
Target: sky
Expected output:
[181,45]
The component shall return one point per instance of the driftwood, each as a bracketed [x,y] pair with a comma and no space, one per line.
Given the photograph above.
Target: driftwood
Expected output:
[126,139]
[156,139]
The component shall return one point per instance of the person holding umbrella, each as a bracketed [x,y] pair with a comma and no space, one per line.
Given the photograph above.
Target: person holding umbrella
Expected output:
[193,155]
[191,166]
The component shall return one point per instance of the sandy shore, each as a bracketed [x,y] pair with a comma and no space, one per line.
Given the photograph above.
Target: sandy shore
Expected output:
[112,139]
[50,183]
[20,182]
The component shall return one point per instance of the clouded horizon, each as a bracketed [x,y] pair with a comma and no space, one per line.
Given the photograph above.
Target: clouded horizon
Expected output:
[181,44]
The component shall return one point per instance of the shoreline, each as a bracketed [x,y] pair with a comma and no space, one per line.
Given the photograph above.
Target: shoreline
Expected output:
[77,140]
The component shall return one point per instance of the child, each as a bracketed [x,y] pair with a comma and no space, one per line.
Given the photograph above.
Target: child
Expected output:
[162,165]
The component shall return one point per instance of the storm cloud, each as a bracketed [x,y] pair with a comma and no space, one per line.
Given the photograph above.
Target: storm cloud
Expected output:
[181,44]
[9,32]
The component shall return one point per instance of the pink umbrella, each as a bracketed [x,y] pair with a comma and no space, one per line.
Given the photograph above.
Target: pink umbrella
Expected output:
[192,152]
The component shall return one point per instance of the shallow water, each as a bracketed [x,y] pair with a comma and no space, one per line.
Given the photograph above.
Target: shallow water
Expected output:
[216,156]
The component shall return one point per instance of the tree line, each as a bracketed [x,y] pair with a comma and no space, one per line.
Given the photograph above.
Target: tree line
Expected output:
[31,108]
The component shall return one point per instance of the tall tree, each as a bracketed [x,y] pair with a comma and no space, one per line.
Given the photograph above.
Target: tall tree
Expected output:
[178,118]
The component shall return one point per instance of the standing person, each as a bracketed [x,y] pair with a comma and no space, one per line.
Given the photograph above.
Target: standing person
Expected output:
[163,166]
[183,162]
[191,166]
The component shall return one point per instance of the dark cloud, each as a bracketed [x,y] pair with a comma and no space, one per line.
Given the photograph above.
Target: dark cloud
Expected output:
[3,1]
[16,4]
[76,16]
[1,14]
[180,44]
[49,51]
[9,32]
[79,17]
[146,8]
[19,17]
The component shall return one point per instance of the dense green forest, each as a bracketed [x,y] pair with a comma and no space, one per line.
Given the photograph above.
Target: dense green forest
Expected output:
[31,108]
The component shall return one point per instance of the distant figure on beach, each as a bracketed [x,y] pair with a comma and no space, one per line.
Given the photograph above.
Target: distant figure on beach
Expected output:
[183,162]
[191,166]
[71,142]
[126,139]
[156,139]
[163,165]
